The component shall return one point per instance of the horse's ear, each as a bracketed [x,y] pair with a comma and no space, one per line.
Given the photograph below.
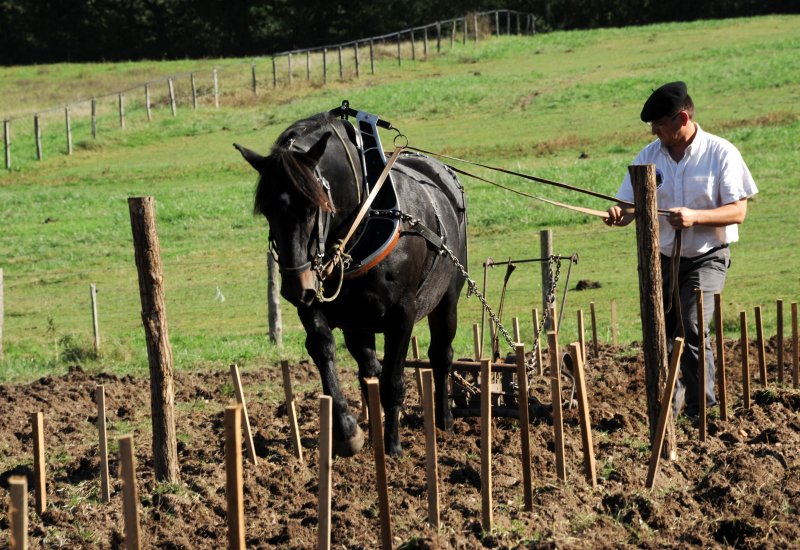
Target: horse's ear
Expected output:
[316,151]
[256,160]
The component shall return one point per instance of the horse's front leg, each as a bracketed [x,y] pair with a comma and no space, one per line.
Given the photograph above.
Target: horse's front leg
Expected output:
[321,346]
[361,346]
[393,388]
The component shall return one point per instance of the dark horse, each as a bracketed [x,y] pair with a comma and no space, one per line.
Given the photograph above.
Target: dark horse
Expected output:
[310,188]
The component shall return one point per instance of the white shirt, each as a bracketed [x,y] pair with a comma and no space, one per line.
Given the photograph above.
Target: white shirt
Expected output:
[711,173]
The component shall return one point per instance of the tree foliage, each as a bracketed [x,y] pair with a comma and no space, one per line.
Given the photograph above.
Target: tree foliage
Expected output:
[39,31]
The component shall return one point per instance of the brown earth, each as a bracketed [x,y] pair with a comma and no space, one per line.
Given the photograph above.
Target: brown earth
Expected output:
[741,488]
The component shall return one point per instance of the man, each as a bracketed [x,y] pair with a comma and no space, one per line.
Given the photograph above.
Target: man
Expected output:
[704,183]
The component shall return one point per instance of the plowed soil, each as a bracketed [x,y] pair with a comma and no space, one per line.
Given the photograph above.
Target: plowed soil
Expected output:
[741,488]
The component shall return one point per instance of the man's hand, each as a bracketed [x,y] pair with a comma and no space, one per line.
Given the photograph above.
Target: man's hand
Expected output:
[617,215]
[682,217]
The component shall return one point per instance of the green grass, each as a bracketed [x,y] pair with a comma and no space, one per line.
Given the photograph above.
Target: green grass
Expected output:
[534,104]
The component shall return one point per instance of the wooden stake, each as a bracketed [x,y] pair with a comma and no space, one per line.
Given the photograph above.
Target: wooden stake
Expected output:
[355,56]
[68,122]
[95,324]
[18,512]
[524,427]
[341,65]
[325,459]
[308,65]
[545,252]
[515,328]
[477,345]
[701,365]
[147,252]
[594,330]
[431,459]
[584,417]
[745,345]
[147,102]
[274,317]
[105,486]
[245,421]
[290,70]
[664,411]
[291,411]
[417,371]
[779,358]
[37,132]
[486,445]
[558,414]
[172,104]
[537,343]
[762,354]
[613,322]
[39,484]
[721,377]
[582,336]
[216,89]
[94,116]
[324,65]
[255,80]
[130,493]
[234,484]
[121,100]
[194,91]
[371,57]
[795,341]
[7,143]
[376,427]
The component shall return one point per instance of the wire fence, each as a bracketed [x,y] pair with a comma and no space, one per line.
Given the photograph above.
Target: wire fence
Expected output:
[64,128]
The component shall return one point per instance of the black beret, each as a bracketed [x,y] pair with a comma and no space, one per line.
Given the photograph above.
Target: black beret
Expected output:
[665,101]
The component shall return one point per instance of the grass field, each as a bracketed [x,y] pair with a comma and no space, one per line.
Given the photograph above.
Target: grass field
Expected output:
[563,106]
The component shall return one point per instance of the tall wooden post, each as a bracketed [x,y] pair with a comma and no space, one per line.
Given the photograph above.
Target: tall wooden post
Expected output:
[159,352]
[121,105]
[102,437]
[779,357]
[290,70]
[355,56]
[324,65]
[234,485]
[651,298]
[308,65]
[545,251]
[216,89]
[37,132]
[147,102]
[172,105]
[39,464]
[130,492]
[194,91]
[7,142]
[95,323]
[94,117]
[371,57]
[68,122]
[274,301]
[399,58]
[341,65]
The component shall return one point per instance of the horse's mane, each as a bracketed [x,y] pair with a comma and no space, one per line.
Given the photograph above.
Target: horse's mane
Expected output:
[296,166]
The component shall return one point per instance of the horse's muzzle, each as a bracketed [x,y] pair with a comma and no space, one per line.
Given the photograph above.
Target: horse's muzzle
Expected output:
[301,289]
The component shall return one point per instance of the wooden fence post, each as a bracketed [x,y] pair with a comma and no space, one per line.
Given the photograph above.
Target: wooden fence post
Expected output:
[486,445]
[216,89]
[524,426]
[7,143]
[159,351]
[466,30]
[39,476]
[795,340]
[425,42]
[508,22]
[37,132]
[431,460]
[121,106]
[545,251]
[701,365]
[172,105]
[762,354]
[581,335]
[194,91]
[291,411]
[341,65]
[376,427]
[537,343]
[475,26]
[290,70]
[496,23]
[584,417]
[102,436]
[663,413]
[94,118]
[324,65]
[255,81]
[95,324]
[325,459]
[399,59]
[452,33]
[234,490]
[651,301]
[68,122]
[721,376]
[2,312]
[245,418]
[594,330]
[558,413]
[779,358]
[147,102]
[355,56]
[371,57]
[413,47]
[130,492]
[274,301]
[18,513]
[308,65]
[438,37]
[745,345]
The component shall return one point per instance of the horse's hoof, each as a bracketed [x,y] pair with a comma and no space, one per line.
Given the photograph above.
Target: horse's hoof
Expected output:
[349,447]
[394,449]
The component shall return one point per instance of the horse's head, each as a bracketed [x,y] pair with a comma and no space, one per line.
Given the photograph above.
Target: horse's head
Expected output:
[294,196]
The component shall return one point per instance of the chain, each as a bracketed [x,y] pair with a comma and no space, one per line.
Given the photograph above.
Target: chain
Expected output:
[551,298]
